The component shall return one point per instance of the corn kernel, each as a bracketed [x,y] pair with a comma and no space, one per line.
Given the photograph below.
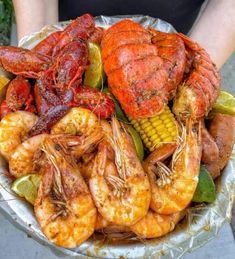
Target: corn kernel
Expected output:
[160,127]
[157,130]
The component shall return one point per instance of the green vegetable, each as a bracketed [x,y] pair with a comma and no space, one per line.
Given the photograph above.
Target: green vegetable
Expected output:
[26,186]
[94,75]
[137,142]
[224,104]
[118,110]
[205,191]
[119,113]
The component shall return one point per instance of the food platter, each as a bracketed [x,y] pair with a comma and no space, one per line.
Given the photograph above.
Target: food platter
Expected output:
[201,224]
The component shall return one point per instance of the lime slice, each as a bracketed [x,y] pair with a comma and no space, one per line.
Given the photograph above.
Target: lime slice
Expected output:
[94,75]
[119,113]
[118,110]
[224,104]
[137,142]
[205,191]
[27,187]
[3,87]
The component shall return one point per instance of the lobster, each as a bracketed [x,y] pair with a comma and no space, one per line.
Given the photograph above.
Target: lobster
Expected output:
[197,94]
[172,51]
[147,68]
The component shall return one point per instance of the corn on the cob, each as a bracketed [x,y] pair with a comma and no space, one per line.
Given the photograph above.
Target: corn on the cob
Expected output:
[157,130]
[3,86]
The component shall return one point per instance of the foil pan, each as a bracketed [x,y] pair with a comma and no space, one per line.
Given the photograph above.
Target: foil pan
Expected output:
[201,224]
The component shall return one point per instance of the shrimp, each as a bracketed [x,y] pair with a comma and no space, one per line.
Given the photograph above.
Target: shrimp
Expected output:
[13,130]
[156,225]
[86,162]
[78,121]
[100,222]
[64,208]
[85,165]
[78,146]
[22,159]
[78,132]
[173,189]
[123,199]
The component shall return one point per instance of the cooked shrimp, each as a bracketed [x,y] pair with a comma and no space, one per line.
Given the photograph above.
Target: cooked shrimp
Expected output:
[64,207]
[78,121]
[173,189]
[86,168]
[13,130]
[77,146]
[156,225]
[123,199]
[22,159]
[85,165]
[101,222]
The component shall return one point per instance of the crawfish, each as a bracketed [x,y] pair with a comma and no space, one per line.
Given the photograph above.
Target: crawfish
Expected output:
[47,45]
[23,62]
[99,103]
[53,88]
[18,94]
[80,28]
[4,109]
[83,96]
[70,64]
[59,88]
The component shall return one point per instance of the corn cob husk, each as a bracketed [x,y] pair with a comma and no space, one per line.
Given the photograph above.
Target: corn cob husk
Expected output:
[157,130]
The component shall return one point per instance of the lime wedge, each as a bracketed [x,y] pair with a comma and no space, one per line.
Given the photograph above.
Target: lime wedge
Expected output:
[94,75]
[27,187]
[205,191]
[224,104]
[3,87]
[137,142]
[118,110]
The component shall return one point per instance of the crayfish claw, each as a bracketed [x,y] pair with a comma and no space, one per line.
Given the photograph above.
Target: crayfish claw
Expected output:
[48,120]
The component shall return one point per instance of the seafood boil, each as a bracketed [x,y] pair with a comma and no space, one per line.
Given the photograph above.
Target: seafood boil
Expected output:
[114,125]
